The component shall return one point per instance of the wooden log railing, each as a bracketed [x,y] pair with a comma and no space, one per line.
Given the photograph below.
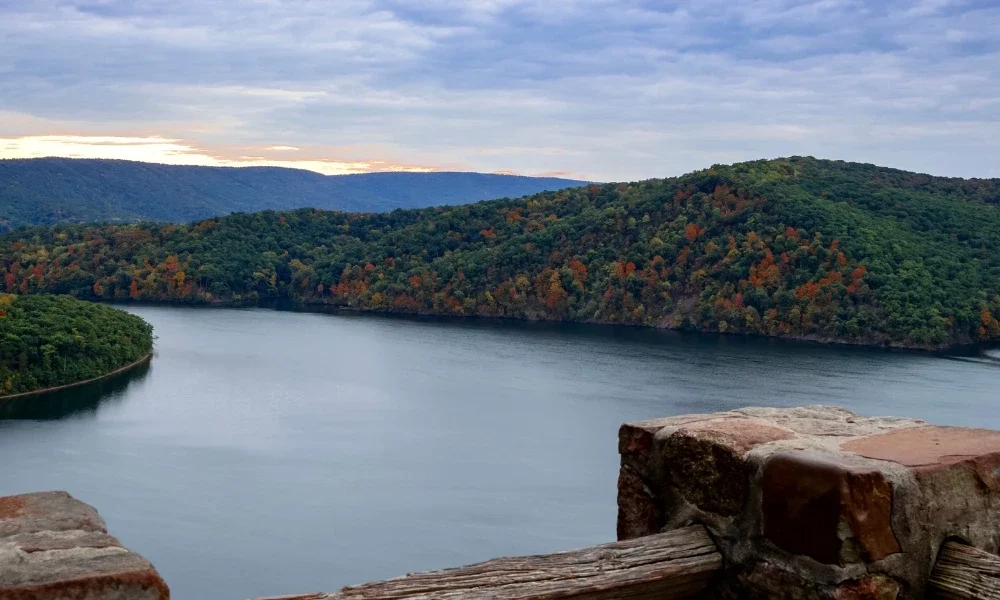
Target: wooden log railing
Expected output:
[965,573]
[675,564]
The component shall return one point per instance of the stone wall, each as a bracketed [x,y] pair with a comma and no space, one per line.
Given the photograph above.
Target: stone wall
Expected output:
[813,502]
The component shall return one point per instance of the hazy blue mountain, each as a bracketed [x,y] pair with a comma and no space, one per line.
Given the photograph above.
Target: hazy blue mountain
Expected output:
[45,191]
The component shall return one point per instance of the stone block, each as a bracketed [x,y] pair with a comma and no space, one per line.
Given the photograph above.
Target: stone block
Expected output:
[704,460]
[54,547]
[851,506]
[827,509]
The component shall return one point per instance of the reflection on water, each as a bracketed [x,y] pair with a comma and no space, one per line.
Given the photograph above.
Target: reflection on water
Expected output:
[80,401]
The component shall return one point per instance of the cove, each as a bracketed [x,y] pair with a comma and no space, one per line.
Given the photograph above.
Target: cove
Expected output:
[264,452]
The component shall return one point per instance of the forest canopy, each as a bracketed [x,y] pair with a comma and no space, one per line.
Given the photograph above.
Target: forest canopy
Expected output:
[48,341]
[794,247]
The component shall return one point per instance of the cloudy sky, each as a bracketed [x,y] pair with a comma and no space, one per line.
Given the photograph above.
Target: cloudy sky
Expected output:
[598,89]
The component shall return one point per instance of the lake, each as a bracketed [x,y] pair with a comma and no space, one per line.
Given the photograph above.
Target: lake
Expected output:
[272,452]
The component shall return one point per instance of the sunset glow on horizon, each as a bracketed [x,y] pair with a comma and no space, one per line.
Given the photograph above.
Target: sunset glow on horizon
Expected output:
[172,151]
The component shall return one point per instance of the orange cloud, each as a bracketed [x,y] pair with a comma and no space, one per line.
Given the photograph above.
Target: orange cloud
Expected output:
[178,152]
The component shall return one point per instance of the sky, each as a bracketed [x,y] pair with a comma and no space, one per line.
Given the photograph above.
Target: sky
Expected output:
[608,90]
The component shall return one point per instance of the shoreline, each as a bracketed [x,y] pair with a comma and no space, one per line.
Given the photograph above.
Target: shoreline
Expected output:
[144,358]
[963,347]
[957,347]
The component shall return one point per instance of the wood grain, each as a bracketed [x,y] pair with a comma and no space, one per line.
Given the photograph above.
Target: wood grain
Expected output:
[964,573]
[675,564]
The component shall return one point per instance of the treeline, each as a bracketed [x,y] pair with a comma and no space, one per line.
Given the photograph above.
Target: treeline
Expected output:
[793,247]
[48,341]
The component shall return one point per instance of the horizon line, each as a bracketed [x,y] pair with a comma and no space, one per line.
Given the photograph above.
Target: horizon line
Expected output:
[426,171]
[172,151]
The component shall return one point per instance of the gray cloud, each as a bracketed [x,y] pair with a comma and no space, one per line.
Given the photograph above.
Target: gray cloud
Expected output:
[605,89]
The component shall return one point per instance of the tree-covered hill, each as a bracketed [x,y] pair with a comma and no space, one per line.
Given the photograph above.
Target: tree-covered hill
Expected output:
[46,191]
[48,341]
[793,247]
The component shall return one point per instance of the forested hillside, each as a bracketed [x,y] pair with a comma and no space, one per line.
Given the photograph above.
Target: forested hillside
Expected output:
[48,341]
[793,247]
[46,191]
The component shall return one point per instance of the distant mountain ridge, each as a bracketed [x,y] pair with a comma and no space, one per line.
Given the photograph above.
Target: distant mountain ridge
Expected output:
[47,191]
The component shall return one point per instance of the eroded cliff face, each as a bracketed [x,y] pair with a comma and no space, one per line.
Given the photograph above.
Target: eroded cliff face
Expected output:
[813,502]
[54,547]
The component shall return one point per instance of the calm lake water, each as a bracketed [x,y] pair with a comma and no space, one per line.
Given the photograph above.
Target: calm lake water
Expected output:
[266,452]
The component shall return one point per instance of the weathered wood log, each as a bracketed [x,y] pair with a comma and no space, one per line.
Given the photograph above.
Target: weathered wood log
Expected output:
[966,573]
[675,564]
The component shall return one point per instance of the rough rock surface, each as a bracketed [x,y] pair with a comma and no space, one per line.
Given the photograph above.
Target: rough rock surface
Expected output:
[813,502]
[54,547]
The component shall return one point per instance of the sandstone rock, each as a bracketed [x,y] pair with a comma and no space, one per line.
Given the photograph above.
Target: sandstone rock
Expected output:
[47,511]
[824,508]
[54,547]
[827,421]
[932,448]
[705,462]
[855,507]
[635,440]
[875,587]
[765,581]
[641,512]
